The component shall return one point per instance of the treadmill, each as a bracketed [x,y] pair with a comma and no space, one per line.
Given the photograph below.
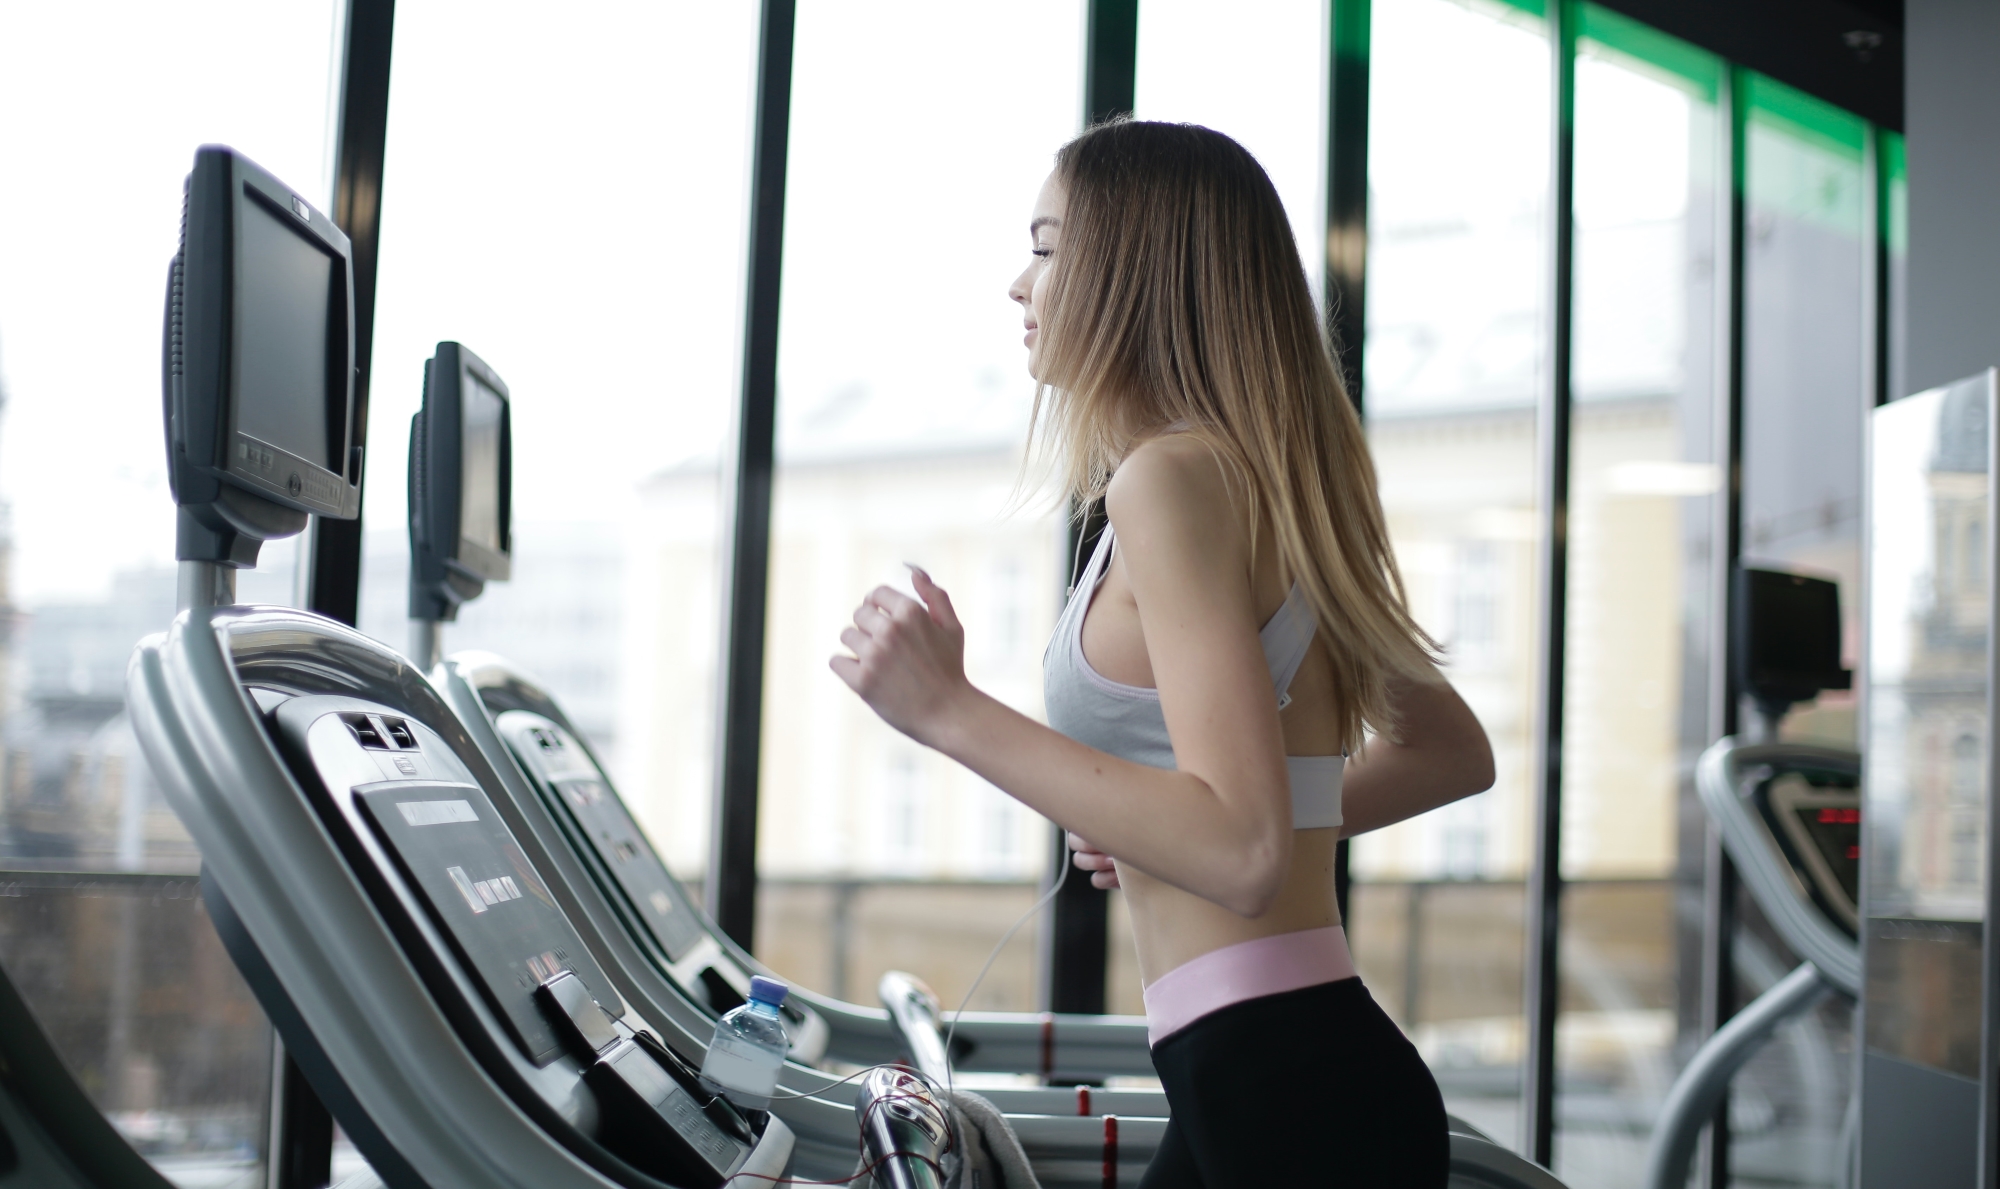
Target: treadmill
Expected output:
[1789,816]
[401,933]
[679,964]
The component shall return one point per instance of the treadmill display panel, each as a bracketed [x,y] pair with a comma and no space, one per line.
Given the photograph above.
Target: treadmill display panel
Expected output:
[1836,834]
[487,899]
[602,817]
[1819,827]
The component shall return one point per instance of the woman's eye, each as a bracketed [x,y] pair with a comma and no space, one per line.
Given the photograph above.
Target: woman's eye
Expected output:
[1044,253]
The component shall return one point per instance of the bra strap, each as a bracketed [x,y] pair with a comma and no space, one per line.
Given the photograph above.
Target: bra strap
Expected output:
[1287,639]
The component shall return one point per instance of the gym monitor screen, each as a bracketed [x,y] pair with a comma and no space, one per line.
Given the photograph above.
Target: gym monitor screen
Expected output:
[258,362]
[482,411]
[461,484]
[284,292]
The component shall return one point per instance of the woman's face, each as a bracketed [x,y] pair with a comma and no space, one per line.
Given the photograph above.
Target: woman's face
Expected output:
[1043,228]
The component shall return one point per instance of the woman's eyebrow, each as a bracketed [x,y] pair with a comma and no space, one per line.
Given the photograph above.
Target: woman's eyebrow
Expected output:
[1044,221]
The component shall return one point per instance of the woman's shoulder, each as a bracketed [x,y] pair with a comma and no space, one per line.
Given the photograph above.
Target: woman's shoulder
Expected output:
[1176,484]
[1168,465]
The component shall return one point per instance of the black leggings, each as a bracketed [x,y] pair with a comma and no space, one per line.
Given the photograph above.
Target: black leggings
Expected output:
[1311,1087]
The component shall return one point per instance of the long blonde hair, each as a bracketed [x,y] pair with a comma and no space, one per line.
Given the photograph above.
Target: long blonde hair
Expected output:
[1177,301]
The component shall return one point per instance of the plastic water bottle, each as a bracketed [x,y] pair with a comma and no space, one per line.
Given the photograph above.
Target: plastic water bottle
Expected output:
[749,1048]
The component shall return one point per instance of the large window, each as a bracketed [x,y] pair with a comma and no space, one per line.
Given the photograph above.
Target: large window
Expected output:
[1642,492]
[567,198]
[1807,392]
[100,116]
[902,411]
[1455,351]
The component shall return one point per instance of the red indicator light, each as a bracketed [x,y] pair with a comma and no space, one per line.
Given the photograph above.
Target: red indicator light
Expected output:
[1854,853]
[1840,817]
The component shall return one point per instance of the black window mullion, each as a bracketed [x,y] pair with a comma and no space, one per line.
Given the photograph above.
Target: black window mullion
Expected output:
[1875,270]
[1541,967]
[1077,942]
[1718,968]
[1349,23]
[332,552]
[731,887]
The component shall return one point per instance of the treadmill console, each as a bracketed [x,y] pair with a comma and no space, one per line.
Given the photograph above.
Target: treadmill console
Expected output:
[562,768]
[590,811]
[452,878]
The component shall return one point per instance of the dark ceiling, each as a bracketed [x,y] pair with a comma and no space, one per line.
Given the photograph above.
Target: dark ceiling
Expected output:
[1847,52]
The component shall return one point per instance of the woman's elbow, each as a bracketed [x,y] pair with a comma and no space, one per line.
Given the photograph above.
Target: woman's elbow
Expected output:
[1259,877]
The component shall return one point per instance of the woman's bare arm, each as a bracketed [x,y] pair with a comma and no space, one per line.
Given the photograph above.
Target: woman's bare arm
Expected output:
[1220,825]
[1442,755]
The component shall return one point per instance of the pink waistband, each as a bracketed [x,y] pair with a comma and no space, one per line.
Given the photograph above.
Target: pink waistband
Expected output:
[1246,970]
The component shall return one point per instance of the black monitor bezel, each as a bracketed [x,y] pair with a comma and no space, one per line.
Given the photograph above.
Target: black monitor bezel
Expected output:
[204,382]
[1764,599]
[448,569]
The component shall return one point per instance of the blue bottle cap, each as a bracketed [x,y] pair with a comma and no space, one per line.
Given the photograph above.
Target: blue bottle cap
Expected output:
[768,990]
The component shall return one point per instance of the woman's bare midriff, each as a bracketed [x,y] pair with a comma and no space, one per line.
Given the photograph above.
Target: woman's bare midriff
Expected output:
[1171,926]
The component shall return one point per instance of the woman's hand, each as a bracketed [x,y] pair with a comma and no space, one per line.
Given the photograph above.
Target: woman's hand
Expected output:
[1103,870]
[908,659]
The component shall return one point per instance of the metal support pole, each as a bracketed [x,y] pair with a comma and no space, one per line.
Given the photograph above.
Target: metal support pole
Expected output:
[739,705]
[205,584]
[426,643]
[1541,966]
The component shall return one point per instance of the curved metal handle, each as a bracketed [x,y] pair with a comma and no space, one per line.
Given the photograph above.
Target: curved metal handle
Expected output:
[919,1020]
[1718,777]
[904,1130]
[1698,1091]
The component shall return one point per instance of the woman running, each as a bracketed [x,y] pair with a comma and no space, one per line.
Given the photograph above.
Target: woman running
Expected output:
[1239,633]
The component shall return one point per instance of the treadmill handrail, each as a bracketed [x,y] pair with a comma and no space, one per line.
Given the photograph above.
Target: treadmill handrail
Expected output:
[1719,776]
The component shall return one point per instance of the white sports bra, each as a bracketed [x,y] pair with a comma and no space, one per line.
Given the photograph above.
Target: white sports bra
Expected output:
[1126,720]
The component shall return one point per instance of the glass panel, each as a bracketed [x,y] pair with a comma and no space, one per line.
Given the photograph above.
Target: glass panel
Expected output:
[1806,396]
[1639,621]
[903,404]
[87,563]
[99,120]
[1457,251]
[573,211]
[1258,75]
[127,977]
[1929,745]
[1805,389]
